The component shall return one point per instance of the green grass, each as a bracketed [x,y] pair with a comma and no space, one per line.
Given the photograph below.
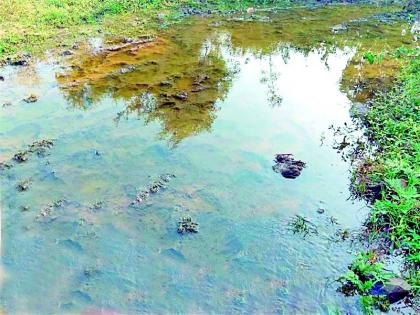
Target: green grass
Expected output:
[392,126]
[28,26]
[364,273]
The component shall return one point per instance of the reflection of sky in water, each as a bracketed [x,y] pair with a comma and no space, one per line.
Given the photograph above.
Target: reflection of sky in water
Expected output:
[127,259]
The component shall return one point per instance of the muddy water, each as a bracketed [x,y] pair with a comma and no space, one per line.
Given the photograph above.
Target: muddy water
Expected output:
[210,101]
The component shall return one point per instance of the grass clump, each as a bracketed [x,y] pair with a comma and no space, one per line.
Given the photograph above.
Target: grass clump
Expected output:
[364,274]
[392,126]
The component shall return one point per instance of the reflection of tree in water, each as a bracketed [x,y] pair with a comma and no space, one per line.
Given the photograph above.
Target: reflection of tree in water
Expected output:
[270,78]
[175,81]
[185,72]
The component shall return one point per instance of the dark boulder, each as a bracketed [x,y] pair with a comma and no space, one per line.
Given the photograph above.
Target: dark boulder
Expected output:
[287,166]
[395,289]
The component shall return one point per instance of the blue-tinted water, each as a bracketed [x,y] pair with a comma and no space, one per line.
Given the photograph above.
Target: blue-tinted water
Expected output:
[118,258]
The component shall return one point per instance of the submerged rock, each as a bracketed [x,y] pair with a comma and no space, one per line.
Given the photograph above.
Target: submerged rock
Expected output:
[186,225]
[23,186]
[153,188]
[21,157]
[38,147]
[5,166]
[31,98]
[287,166]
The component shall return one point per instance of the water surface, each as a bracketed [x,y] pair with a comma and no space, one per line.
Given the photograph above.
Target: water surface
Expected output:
[254,89]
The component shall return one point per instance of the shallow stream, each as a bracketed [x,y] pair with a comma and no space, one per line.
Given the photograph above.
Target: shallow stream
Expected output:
[210,101]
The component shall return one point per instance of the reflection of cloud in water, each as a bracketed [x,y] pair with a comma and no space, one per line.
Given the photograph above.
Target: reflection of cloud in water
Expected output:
[177,78]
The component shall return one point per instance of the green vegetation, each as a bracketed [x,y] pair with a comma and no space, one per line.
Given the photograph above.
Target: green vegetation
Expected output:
[363,275]
[34,26]
[392,126]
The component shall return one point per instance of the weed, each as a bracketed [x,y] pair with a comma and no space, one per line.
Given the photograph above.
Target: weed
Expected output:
[392,127]
[301,225]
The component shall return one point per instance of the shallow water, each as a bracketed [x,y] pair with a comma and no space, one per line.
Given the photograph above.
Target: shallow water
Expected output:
[254,90]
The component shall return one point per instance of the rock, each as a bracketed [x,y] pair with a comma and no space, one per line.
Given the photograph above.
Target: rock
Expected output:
[25,208]
[20,157]
[31,98]
[20,62]
[198,89]
[38,147]
[186,225]
[320,210]
[5,166]
[153,188]
[338,28]
[67,53]
[1,78]
[395,289]
[250,10]
[23,186]
[165,83]
[182,96]
[287,166]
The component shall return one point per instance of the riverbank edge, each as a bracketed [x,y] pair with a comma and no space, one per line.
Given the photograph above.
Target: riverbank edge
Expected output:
[31,38]
[388,179]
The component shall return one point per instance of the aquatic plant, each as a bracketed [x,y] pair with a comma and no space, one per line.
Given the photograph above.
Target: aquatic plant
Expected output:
[301,225]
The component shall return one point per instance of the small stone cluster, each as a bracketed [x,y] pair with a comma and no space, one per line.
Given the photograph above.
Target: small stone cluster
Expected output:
[186,225]
[38,147]
[153,188]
